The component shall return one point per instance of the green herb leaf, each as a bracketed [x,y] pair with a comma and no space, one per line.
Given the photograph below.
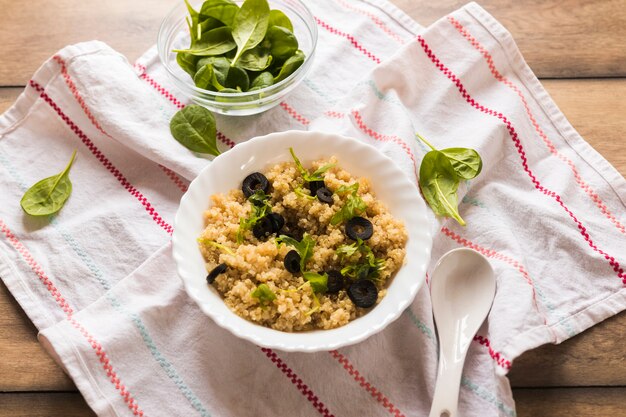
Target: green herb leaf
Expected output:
[264,79]
[255,59]
[353,206]
[319,283]
[278,18]
[209,242]
[237,79]
[304,247]
[345,251]
[264,294]
[260,208]
[318,175]
[302,193]
[466,162]
[187,62]
[250,25]
[216,41]
[50,194]
[283,42]
[194,128]
[290,66]
[222,10]
[439,183]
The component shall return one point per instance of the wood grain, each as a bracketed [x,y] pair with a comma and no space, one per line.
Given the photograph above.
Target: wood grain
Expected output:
[579,402]
[558,38]
[32,32]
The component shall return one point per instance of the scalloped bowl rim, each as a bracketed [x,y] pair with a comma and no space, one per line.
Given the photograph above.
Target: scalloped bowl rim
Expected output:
[258,154]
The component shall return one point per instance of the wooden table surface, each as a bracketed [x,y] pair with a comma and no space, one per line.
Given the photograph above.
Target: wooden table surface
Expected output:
[577,48]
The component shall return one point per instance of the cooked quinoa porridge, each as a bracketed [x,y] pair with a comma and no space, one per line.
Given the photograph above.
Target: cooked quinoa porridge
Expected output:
[301,249]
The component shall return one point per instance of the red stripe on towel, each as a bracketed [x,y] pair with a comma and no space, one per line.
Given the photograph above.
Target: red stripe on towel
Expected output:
[377,395]
[104,160]
[69,312]
[520,149]
[180,183]
[350,38]
[551,147]
[300,118]
[500,360]
[302,387]
[374,19]
[165,93]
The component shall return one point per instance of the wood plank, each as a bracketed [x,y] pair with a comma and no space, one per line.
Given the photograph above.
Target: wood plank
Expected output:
[129,27]
[563,402]
[8,96]
[558,38]
[596,357]
[44,405]
[24,364]
[568,402]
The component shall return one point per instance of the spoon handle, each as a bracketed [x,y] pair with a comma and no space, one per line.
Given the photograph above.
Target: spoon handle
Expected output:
[446,398]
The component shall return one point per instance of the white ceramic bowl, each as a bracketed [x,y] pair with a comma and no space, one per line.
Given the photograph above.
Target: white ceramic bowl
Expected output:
[228,171]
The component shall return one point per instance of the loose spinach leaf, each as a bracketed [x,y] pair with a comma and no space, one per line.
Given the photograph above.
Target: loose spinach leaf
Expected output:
[301,192]
[304,247]
[255,59]
[439,183]
[353,206]
[345,251]
[187,62]
[250,25]
[466,162]
[50,194]
[264,79]
[222,10]
[278,18]
[237,78]
[283,42]
[264,294]
[194,128]
[194,15]
[214,42]
[318,282]
[290,66]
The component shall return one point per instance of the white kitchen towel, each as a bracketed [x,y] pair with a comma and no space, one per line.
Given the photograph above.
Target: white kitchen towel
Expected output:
[99,282]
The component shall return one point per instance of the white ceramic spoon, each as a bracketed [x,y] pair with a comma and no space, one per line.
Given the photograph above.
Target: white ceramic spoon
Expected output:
[463,286]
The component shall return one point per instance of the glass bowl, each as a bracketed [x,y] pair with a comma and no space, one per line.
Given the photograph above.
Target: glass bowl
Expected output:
[174,34]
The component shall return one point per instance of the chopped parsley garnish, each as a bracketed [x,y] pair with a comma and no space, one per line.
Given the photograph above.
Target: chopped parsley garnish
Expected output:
[302,193]
[209,242]
[264,294]
[304,247]
[260,208]
[367,267]
[318,282]
[317,175]
[353,207]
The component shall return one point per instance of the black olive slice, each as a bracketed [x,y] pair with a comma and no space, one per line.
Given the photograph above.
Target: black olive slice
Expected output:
[278,222]
[359,228]
[263,228]
[253,182]
[363,293]
[335,282]
[325,195]
[292,261]
[316,185]
[220,269]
